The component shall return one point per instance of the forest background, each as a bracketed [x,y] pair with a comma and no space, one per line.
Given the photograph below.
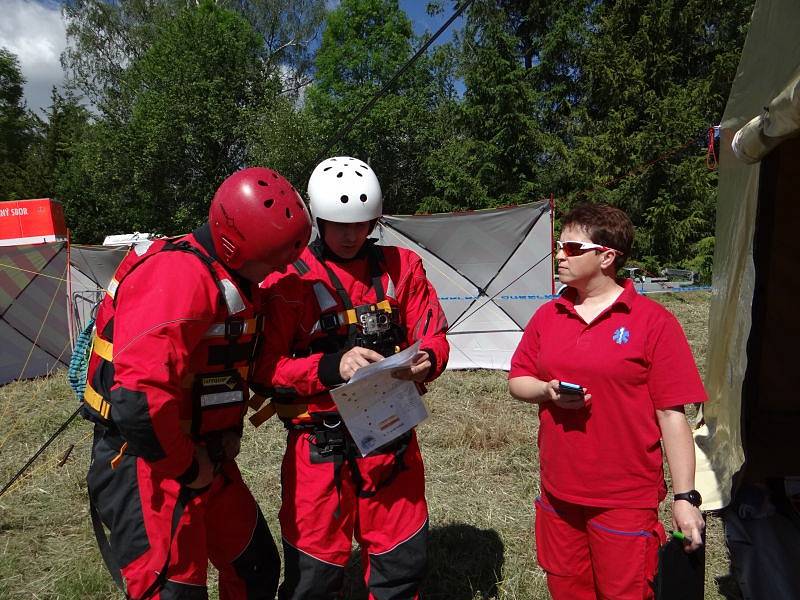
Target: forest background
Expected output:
[582,100]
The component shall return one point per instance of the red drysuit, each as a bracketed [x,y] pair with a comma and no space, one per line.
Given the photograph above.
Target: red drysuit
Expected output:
[170,369]
[329,491]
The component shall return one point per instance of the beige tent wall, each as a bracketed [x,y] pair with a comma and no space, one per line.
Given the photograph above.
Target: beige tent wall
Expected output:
[770,61]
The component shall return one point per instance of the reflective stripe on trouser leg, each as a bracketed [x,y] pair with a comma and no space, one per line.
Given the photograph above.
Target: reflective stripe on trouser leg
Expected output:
[624,545]
[562,550]
[591,552]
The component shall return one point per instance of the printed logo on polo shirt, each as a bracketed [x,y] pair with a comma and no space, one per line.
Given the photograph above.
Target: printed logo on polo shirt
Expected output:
[621,336]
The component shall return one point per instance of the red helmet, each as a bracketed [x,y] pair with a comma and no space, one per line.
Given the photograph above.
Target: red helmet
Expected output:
[256,215]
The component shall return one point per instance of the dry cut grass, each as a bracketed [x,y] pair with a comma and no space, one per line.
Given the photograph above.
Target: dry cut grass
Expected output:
[482,476]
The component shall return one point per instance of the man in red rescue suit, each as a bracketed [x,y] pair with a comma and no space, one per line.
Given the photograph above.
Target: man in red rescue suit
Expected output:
[345,304]
[167,387]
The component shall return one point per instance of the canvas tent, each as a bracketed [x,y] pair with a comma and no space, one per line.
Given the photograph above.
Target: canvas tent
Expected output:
[491,268]
[34,327]
[43,304]
[747,447]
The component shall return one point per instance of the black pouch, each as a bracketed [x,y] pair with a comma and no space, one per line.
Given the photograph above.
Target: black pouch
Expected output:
[681,575]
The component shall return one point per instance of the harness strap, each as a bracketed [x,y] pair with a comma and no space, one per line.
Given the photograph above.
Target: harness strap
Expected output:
[301,267]
[103,348]
[348,453]
[374,259]
[96,401]
[331,322]
[105,547]
[350,317]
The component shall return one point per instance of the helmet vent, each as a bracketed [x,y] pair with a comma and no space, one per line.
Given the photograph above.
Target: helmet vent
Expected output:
[288,213]
[358,173]
[339,174]
[269,203]
[364,167]
[363,197]
[262,183]
[344,199]
[327,168]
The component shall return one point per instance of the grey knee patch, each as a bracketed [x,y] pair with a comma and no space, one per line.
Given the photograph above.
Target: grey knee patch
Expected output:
[306,578]
[398,574]
[259,565]
[174,590]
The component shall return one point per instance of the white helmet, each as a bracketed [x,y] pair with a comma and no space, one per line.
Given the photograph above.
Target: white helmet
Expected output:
[344,190]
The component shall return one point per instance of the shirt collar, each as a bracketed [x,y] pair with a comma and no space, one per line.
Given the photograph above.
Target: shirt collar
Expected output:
[566,301]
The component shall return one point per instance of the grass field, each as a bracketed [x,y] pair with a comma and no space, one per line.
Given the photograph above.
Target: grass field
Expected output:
[481,460]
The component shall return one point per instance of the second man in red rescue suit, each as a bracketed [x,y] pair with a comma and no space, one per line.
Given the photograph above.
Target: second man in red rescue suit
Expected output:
[167,385]
[347,303]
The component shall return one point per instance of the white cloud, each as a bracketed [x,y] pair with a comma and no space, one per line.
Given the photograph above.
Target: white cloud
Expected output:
[35,32]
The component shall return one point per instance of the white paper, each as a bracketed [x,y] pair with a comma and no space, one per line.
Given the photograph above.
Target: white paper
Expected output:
[376,407]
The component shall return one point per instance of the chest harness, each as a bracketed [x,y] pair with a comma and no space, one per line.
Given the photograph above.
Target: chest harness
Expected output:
[219,368]
[372,325]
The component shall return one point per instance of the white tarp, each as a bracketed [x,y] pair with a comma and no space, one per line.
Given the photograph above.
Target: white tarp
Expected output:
[491,269]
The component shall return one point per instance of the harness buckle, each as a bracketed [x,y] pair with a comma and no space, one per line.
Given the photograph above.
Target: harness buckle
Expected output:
[234,328]
[330,437]
[329,322]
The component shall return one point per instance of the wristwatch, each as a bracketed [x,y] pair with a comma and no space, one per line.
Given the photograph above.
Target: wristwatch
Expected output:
[693,497]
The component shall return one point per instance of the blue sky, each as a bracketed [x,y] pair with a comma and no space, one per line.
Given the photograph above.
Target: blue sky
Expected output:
[35,31]
[415,9]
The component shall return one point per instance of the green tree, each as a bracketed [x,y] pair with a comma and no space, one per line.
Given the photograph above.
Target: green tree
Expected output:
[64,124]
[15,132]
[107,37]
[365,42]
[176,127]
[653,77]
[515,124]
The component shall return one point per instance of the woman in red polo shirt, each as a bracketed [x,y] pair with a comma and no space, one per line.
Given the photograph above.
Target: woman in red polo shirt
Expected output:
[602,479]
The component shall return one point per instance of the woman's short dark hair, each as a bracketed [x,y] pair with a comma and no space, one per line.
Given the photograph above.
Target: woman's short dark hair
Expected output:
[605,225]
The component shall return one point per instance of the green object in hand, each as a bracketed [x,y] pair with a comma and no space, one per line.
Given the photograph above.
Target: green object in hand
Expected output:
[679,536]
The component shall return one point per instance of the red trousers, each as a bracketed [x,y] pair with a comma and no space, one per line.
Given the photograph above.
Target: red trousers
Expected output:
[221,523]
[589,552]
[328,498]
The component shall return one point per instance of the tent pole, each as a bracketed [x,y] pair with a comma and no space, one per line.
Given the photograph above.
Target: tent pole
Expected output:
[552,243]
[40,450]
[70,325]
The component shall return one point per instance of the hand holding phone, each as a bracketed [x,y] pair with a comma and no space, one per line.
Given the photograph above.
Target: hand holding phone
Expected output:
[571,396]
[565,387]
